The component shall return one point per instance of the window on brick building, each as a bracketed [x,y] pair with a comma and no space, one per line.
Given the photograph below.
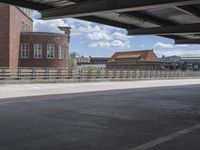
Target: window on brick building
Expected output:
[61,52]
[24,50]
[37,51]
[50,51]
[29,28]
[23,26]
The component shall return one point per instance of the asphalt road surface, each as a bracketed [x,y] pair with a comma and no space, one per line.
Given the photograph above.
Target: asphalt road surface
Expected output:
[164,118]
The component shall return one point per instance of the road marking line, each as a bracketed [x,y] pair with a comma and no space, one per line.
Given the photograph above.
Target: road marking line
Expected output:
[10,102]
[164,139]
[33,87]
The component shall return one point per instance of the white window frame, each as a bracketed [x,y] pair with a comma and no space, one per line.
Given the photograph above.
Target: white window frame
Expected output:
[29,28]
[37,51]
[22,27]
[50,51]
[26,27]
[24,50]
[61,52]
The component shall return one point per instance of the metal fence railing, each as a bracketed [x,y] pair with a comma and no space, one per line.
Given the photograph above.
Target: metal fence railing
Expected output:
[49,73]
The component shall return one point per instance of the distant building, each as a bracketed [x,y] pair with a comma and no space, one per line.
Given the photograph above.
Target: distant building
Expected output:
[190,63]
[134,60]
[174,61]
[170,59]
[21,47]
[183,63]
[92,62]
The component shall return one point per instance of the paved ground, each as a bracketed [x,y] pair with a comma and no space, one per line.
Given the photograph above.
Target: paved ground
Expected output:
[21,90]
[160,118]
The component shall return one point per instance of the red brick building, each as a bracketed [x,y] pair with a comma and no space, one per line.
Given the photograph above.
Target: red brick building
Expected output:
[134,60]
[21,47]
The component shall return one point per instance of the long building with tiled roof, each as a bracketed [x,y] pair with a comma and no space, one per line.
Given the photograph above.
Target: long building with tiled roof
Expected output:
[134,60]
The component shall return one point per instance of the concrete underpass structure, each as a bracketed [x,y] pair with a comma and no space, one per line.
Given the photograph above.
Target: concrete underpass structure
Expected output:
[175,19]
[137,115]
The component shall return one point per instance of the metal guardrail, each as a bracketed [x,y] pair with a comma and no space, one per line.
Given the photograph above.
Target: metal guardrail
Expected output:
[49,73]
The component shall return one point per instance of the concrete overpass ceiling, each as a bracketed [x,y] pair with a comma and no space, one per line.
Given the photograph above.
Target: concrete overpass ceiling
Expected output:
[137,16]
[174,14]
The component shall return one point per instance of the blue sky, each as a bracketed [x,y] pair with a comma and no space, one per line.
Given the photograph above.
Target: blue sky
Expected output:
[91,39]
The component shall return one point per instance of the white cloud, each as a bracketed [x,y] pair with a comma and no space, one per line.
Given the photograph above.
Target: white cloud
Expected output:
[161,45]
[120,36]
[99,36]
[100,44]
[178,52]
[49,26]
[36,15]
[116,44]
[120,44]
[143,45]
[182,45]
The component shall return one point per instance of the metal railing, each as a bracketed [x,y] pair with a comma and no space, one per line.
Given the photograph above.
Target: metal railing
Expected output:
[51,73]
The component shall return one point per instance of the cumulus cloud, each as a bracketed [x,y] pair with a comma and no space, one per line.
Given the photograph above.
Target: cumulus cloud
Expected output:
[49,26]
[120,36]
[182,45]
[161,45]
[179,50]
[36,15]
[107,37]
[120,44]
[99,44]
[99,36]
[116,44]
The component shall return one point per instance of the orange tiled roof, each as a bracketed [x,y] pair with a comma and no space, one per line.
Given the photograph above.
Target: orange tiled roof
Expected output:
[128,56]
[145,55]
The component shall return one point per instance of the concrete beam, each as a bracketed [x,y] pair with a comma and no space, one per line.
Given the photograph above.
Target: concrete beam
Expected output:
[188,41]
[107,22]
[119,25]
[167,30]
[144,17]
[190,10]
[110,6]
[27,4]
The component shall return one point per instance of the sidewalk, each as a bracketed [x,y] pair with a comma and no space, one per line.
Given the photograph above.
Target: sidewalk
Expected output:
[22,90]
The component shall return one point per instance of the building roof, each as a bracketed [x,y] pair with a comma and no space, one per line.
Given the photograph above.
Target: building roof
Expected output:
[190,58]
[129,56]
[170,59]
[144,55]
[176,19]
[43,34]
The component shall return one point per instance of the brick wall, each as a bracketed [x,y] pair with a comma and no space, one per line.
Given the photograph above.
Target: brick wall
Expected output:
[11,22]
[11,19]
[44,38]
[133,66]
[16,19]
[4,35]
